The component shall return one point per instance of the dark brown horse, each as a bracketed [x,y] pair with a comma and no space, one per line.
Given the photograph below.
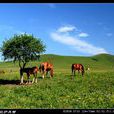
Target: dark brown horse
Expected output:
[78,67]
[46,67]
[29,71]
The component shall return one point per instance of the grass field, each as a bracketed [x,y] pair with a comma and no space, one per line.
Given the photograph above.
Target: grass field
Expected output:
[94,90]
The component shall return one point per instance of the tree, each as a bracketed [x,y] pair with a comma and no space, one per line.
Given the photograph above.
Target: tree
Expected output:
[22,48]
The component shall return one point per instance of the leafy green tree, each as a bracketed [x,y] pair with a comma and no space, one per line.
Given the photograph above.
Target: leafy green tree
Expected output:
[22,48]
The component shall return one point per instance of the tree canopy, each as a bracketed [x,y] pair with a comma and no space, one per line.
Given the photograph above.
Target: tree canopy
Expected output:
[23,48]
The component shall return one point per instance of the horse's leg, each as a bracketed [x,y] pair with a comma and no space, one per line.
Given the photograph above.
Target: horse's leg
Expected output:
[78,71]
[43,73]
[74,73]
[72,68]
[51,73]
[35,77]
[46,72]
[29,79]
[36,80]
[82,72]
[21,78]
[28,76]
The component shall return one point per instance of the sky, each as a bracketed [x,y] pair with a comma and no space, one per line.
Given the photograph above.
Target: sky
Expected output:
[71,29]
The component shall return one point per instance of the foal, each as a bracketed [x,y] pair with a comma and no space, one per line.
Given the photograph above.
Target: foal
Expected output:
[29,71]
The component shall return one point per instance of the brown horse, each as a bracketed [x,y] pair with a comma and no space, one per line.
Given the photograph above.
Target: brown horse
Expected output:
[45,67]
[29,71]
[78,67]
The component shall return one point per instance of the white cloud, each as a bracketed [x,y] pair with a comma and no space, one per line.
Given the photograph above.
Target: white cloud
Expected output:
[68,28]
[65,39]
[83,34]
[75,42]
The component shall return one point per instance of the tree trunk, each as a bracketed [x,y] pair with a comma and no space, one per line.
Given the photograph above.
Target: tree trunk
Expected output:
[20,64]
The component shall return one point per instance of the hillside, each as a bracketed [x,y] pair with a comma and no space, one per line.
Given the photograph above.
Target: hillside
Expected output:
[102,59]
[97,62]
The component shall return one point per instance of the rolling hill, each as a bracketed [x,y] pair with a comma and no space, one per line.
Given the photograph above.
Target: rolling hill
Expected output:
[63,63]
[101,61]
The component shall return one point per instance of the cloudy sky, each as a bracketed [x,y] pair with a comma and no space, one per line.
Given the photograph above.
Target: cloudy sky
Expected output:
[77,29]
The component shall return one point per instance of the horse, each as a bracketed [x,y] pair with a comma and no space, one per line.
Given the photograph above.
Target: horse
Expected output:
[46,67]
[78,67]
[33,70]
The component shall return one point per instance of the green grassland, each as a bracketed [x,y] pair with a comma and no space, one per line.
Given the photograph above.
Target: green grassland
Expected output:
[94,90]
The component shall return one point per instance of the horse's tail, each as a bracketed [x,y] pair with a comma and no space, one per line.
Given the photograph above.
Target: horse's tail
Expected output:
[72,68]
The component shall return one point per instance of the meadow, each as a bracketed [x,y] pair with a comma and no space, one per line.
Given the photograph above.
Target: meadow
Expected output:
[93,91]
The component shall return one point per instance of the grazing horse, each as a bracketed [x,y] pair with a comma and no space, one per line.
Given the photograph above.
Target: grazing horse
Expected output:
[78,67]
[45,67]
[29,71]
